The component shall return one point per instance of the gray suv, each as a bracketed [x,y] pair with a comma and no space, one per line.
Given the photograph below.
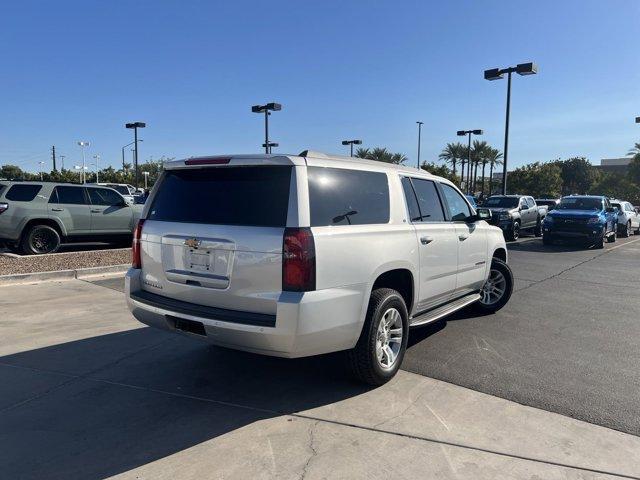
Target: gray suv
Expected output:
[36,217]
[297,255]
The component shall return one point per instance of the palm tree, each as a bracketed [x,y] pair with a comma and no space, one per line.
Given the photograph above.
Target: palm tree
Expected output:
[451,154]
[635,150]
[478,153]
[381,155]
[493,158]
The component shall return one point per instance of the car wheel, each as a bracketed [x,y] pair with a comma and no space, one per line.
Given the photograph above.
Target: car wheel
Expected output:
[637,230]
[612,236]
[40,239]
[378,354]
[496,291]
[600,241]
[626,232]
[538,230]
[514,233]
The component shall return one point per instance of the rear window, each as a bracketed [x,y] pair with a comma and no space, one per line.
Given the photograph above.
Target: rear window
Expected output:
[347,197]
[249,196]
[23,193]
[68,196]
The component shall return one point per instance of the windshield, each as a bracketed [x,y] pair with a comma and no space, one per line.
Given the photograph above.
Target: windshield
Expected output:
[120,189]
[580,203]
[502,202]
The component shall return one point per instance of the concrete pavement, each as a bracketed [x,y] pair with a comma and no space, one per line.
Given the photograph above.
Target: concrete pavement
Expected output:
[87,392]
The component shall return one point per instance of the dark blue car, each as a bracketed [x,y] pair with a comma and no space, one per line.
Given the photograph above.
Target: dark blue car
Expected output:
[587,218]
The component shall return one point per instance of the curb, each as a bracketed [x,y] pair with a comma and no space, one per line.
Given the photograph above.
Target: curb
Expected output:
[61,274]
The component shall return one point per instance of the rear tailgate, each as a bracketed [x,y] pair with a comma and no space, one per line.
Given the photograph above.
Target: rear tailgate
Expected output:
[213,236]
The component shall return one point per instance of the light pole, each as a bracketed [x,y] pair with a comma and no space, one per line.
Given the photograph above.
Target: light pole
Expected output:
[462,133]
[128,144]
[267,109]
[61,162]
[419,132]
[351,143]
[41,164]
[96,157]
[135,126]
[270,145]
[83,144]
[497,74]
[81,169]
[146,179]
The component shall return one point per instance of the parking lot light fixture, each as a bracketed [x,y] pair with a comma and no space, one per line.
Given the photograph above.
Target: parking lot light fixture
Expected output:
[125,146]
[41,165]
[270,145]
[266,109]
[637,119]
[462,133]
[351,143]
[135,126]
[83,144]
[523,69]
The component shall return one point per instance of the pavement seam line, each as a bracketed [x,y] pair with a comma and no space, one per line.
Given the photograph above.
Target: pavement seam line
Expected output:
[352,425]
[556,275]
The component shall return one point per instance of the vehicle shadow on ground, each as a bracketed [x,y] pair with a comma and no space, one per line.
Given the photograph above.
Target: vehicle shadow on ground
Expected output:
[105,405]
[554,248]
[418,334]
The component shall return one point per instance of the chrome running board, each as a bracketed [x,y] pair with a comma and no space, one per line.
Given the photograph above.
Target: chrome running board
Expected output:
[443,311]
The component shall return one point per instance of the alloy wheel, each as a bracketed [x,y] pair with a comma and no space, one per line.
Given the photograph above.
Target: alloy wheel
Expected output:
[389,338]
[494,288]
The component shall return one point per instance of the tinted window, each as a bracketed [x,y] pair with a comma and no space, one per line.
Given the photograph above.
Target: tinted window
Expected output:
[23,193]
[580,203]
[501,202]
[428,201]
[104,196]
[530,202]
[120,189]
[68,195]
[458,207]
[347,197]
[251,196]
[410,197]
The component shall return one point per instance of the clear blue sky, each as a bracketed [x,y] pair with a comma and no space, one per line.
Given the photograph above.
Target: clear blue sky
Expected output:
[73,70]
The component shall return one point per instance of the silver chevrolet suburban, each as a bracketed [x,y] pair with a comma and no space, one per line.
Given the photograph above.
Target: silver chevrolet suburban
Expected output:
[36,217]
[303,255]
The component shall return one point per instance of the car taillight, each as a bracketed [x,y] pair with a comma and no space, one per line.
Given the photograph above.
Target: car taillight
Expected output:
[298,260]
[208,161]
[3,207]
[136,254]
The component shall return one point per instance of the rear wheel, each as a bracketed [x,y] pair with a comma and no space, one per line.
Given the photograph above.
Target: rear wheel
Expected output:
[497,290]
[538,230]
[613,236]
[40,239]
[626,231]
[378,354]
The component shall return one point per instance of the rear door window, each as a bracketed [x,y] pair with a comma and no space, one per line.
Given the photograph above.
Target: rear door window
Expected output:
[428,201]
[340,196]
[412,202]
[249,196]
[23,193]
[68,196]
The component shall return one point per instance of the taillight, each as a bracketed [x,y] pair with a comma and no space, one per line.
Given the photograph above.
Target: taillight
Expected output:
[136,254]
[298,260]
[208,161]
[3,207]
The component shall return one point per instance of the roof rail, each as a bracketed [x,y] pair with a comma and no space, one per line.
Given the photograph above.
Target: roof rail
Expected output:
[312,153]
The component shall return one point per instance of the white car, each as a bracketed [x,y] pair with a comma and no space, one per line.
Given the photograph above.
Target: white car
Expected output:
[628,218]
[298,255]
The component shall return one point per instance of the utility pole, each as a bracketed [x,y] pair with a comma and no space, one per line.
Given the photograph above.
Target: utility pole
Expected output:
[419,131]
[97,158]
[62,162]
[53,157]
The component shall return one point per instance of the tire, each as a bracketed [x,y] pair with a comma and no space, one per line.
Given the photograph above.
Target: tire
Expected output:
[500,272]
[613,236]
[364,360]
[538,230]
[514,233]
[40,239]
[600,242]
[626,231]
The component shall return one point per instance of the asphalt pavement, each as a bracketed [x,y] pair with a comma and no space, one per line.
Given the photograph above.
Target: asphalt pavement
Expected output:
[567,342]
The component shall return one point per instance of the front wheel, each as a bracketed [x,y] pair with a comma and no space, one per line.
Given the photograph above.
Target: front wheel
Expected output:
[497,290]
[538,230]
[626,231]
[378,354]
[514,233]
[613,236]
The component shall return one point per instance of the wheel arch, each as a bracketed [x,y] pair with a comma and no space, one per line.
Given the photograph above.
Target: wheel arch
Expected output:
[400,279]
[43,221]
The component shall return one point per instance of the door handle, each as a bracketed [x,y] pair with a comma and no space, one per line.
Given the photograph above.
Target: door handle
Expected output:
[96,211]
[463,237]
[426,240]
[57,209]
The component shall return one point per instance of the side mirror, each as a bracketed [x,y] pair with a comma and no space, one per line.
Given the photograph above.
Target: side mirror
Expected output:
[483,214]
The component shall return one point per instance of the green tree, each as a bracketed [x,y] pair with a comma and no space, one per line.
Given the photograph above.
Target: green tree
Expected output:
[578,175]
[635,151]
[634,169]
[451,154]
[537,179]
[381,155]
[441,171]
[478,154]
[617,185]
[11,172]
[494,158]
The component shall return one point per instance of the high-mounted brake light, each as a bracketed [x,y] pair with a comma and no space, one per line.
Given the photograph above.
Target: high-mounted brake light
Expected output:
[136,254]
[208,161]
[298,260]
[4,207]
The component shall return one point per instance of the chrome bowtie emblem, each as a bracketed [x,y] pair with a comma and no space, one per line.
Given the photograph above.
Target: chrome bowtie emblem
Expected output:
[192,242]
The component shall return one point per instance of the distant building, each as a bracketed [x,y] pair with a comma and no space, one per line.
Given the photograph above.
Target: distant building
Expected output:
[614,165]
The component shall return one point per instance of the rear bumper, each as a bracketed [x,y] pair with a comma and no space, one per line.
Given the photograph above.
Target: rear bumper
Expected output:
[305,324]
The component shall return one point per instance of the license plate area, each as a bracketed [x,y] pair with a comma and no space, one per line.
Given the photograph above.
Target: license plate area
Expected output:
[200,260]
